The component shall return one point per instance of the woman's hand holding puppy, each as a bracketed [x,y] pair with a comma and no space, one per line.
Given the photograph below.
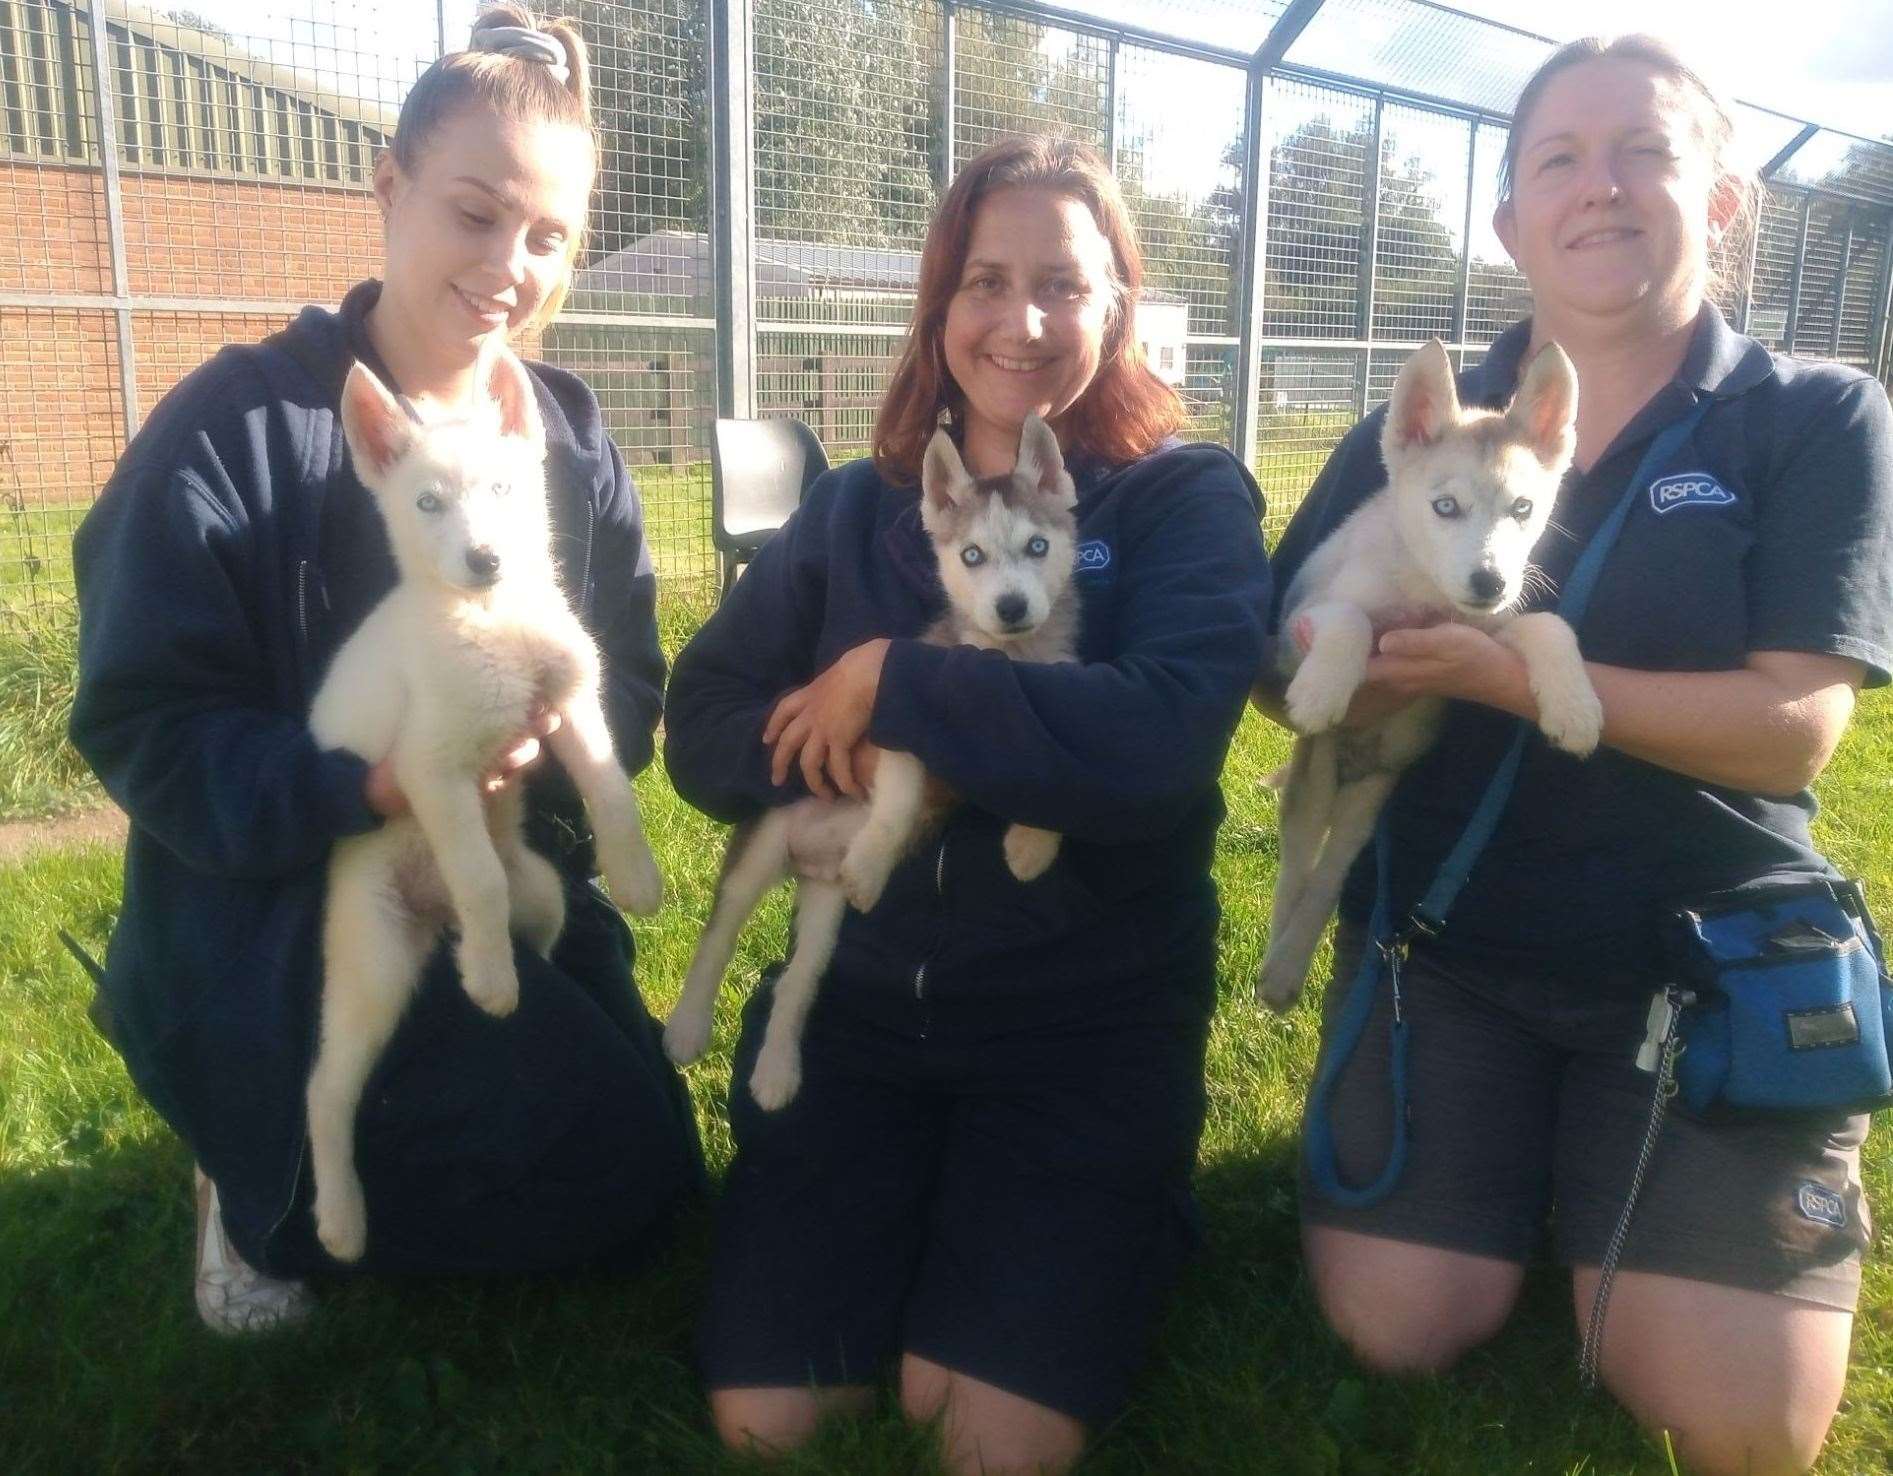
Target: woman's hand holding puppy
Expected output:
[383,790]
[822,725]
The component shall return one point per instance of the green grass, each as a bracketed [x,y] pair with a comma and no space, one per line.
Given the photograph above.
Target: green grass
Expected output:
[39,771]
[103,1366]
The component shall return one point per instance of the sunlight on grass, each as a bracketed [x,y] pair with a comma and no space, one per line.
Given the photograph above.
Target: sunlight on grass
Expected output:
[99,1343]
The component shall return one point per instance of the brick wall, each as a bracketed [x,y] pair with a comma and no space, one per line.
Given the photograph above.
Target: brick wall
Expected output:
[61,427]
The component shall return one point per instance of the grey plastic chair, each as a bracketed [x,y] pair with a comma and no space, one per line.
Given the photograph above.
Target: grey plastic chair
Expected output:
[759,470]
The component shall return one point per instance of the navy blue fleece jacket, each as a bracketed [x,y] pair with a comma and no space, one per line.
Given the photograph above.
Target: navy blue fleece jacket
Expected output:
[229,556]
[1119,751]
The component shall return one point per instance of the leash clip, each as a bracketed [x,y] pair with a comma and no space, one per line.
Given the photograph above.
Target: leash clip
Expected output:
[1393,952]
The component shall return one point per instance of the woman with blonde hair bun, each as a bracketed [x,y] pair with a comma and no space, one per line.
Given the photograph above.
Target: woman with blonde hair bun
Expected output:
[229,557]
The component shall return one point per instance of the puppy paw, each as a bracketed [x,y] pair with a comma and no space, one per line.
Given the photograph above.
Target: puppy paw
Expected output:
[1030,851]
[1317,699]
[864,873]
[1571,717]
[777,1077]
[490,980]
[1278,984]
[686,1035]
[341,1219]
[631,872]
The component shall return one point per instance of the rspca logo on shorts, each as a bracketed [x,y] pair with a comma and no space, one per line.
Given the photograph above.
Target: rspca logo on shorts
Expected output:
[1821,1205]
[1688,489]
[1093,556]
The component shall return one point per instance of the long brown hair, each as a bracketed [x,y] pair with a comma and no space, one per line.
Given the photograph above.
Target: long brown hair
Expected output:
[515,88]
[1124,413]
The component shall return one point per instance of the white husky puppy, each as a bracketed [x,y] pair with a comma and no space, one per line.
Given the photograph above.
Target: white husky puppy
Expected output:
[439,676]
[1006,548]
[1469,492]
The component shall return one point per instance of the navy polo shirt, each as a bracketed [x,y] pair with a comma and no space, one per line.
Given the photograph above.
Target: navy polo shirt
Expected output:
[1771,530]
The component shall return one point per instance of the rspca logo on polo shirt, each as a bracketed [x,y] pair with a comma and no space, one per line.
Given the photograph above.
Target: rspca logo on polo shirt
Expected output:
[1093,556]
[1688,489]
[1822,1205]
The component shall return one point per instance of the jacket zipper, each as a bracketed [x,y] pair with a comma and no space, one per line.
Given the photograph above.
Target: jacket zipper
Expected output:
[939,891]
[302,603]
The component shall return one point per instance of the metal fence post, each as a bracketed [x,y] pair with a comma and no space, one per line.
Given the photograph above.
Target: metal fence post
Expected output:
[733,190]
[1840,286]
[949,47]
[1880,344]
[1754,253]
[1794,284]
[105,111]
[1370,252]
[1462,303]
[440,25]
[1110,109]
[1252,270]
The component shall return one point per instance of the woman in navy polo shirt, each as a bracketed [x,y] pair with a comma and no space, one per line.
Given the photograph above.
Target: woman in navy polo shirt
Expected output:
[986,1173]
[1745,603]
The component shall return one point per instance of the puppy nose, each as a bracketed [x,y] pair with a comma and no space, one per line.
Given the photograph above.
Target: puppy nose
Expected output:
[483,564]
[1486,585]
[1010,608]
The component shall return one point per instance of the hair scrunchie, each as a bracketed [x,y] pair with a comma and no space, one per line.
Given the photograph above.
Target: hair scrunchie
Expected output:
[527,45]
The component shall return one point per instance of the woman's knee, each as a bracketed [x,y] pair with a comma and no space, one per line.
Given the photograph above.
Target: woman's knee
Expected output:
[774,1421]
[1736,1380]
[1712,1436]
[986,1430]
[1403,1308]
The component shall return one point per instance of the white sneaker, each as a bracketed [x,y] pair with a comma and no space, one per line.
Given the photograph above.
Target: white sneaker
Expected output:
[233,1297]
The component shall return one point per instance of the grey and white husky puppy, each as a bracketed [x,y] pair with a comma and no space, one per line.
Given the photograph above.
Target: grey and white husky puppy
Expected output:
[1006,548]
[1469,493]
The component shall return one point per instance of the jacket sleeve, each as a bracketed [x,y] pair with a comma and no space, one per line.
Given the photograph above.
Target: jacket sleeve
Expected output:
[173,705]
[759,643]
[1108,751]
[625,607]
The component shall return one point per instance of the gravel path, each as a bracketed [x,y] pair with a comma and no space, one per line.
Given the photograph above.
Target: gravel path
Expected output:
[19,837]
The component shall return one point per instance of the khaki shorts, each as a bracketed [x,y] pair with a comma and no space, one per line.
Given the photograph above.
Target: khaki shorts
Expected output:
[1526,1111]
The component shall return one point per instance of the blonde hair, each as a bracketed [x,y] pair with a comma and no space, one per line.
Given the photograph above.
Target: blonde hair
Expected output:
[516,88]
[1714,125]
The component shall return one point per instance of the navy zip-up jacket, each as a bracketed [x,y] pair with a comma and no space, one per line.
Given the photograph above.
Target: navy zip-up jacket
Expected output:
[1119,752]
[231,553]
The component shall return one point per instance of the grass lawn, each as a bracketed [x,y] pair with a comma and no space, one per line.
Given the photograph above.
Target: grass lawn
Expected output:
[103,1365]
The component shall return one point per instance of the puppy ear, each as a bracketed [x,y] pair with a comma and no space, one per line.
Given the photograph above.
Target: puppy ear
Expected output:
[944,481]
[377,429]
[1544,411]
[1041,464]
[1425,401]
[509,386]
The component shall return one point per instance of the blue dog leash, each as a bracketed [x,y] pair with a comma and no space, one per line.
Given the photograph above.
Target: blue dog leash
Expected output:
[1388,948]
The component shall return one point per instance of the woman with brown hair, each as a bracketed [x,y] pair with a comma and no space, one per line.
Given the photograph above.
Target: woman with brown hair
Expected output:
[1746,599]
[986,1173]
[227,560]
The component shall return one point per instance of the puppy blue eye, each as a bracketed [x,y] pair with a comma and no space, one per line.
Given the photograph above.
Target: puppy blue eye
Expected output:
[1038,548]
[972,555]
[1522,508]
[1446,507]
[427,502]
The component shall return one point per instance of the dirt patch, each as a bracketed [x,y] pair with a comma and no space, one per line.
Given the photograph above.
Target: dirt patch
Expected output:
[19,838]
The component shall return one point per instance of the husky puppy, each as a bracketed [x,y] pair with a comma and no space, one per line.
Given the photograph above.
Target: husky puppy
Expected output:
[1469,492]
[1006,548]
[442,672]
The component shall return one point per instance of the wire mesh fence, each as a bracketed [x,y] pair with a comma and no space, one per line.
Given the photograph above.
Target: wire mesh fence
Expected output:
[171,181]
